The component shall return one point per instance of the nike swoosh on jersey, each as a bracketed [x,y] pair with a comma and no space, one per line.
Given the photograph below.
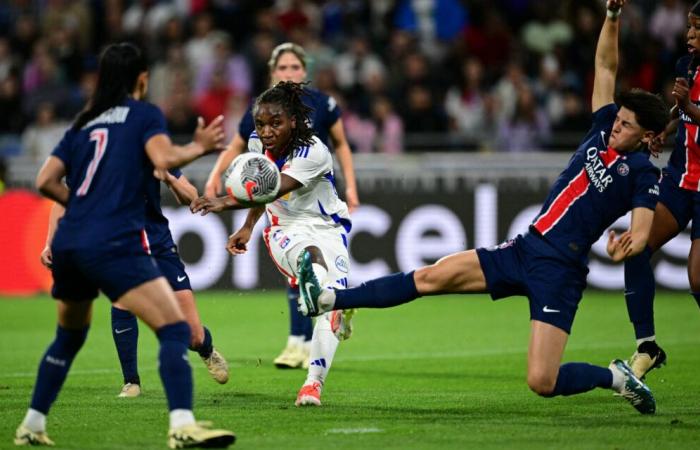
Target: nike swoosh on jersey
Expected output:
[179,279]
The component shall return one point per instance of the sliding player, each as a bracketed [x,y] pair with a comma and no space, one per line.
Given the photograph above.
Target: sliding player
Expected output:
[608,175]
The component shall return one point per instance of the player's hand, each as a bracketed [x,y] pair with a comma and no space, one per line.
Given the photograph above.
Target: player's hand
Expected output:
[213,186]
[620,248]
[211,137]
[237,242]
[615,5]
[656,146]
[351,199]
[205,205]
[47,257]
[681,92]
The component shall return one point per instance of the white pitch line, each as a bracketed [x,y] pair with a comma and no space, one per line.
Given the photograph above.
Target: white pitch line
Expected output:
[354,430]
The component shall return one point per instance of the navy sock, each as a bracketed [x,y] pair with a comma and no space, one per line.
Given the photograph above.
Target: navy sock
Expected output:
[575,378]
[125,331]
[207,346]
[640,288]
[299,325]
[54,366]
[384,292]
[174,367]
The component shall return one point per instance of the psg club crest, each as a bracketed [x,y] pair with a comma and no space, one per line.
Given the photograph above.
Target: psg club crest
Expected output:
[623,169]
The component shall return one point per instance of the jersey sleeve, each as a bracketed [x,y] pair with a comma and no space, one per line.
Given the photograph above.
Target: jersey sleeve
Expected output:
[62,150]
[309,163]
[247,125]
[153,123]
[646,191]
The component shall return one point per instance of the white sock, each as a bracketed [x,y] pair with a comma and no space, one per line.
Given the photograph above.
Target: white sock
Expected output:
[181,418]
[323,347]
[35,421]
[295,341]
[320,272]
[307,346]
[651,338]
[618,380]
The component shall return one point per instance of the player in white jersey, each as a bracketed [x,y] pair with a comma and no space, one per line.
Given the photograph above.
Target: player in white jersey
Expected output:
[307,215]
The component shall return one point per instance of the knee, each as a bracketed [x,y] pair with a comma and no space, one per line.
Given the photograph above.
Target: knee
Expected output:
[541,383]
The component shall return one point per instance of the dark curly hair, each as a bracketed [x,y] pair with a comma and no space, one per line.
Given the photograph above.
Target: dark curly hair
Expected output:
[288,95]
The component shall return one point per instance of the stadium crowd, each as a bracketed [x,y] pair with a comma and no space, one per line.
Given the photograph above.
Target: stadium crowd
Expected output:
[409,75]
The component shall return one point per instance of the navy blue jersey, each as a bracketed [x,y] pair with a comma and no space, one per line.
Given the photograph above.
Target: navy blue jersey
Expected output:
[107,171]
[598,186]
[158,238]
[684,164]
[325,113]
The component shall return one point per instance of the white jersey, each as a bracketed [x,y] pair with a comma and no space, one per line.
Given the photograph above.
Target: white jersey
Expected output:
[316,203]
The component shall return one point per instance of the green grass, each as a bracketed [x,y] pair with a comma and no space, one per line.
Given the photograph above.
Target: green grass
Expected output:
[444,372]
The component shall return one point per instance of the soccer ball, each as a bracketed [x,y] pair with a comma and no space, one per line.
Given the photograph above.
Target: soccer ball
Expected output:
[252,178]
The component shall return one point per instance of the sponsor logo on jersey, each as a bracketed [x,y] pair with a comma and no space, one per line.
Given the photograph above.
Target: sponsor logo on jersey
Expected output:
[341,263]
[596,170]
[654,190]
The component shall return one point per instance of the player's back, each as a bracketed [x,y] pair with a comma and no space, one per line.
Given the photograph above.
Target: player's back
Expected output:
[106,172]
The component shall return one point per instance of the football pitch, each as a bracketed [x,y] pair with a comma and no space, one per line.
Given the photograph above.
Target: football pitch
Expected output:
[444,372]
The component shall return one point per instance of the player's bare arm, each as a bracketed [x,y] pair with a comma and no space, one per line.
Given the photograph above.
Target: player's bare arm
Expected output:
[238,242]
[634,240]
[213,186]
[183,191]
[55,214]
[49,180]
[607,58]
[205,205]
[344,155]
[165,155]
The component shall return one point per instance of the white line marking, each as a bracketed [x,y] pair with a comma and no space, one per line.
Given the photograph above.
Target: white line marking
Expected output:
[354,430]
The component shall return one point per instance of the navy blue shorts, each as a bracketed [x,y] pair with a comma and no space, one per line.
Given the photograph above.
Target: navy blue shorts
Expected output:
[529,266]
[173,269]
[683,204]
[78,274]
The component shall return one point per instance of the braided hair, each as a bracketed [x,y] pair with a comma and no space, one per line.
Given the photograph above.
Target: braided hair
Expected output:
[288,95]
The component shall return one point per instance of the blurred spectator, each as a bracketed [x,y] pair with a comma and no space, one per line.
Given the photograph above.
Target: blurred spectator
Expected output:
[506,89]
[200,48]
[72,16]
[179,114]
[233,66]
[389,127]
[434,21]
[422,113]
[25,35]
[527,129]
[44,82]
[212,102]
[12,119]
[546,31]
[490,41]
[354,67]
[163,75]
[548,88]
[40,138]
[668,21]
[464,103]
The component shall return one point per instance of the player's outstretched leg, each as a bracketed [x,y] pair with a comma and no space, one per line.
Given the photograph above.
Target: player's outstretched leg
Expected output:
[125,332]
[296,353]
[384,292]
[324,344]
[74,320]
[640,289]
